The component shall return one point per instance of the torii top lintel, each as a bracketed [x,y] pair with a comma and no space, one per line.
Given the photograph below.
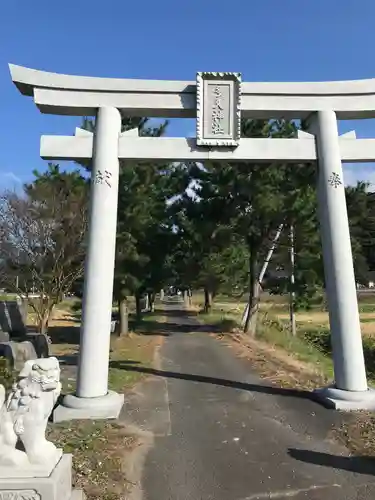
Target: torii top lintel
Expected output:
[82,95]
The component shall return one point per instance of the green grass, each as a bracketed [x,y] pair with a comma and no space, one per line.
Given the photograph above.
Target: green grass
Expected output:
[367,320]
[128,351]
[7,375]
[312,343]
[8,296]
[305,346]
[366,308]
[223,321]
[310,348]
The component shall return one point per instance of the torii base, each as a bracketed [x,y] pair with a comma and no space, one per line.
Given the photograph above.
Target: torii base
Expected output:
[101,408]
[338,399]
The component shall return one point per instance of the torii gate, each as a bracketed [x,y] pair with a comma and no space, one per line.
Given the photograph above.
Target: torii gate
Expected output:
[218,100]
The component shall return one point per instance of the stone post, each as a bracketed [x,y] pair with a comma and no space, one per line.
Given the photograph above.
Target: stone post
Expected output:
[350,386]
[92,399]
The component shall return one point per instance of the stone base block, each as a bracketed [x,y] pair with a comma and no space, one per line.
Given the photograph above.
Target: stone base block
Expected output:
[78,495]
[57,486]
[75,408]
[338,399]
[31,470]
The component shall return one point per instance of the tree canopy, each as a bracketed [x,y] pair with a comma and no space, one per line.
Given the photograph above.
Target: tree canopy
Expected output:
[190,225]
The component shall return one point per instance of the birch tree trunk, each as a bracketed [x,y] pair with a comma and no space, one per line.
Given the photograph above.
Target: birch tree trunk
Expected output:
[257,290]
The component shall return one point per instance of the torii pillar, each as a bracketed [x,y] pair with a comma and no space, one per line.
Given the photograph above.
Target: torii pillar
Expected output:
[92,398]
[349,390]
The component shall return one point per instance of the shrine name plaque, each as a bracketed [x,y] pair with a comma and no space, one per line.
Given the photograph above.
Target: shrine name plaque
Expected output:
[218,109]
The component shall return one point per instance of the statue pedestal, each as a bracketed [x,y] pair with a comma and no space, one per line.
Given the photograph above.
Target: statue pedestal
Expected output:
[25,469]
[56,486]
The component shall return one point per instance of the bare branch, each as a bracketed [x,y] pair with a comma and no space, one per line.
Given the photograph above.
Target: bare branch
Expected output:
[42,238]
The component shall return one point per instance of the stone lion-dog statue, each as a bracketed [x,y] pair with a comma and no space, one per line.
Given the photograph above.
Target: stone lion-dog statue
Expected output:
[24,415]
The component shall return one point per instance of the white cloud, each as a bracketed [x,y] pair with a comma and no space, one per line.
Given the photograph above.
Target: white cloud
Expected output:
[354,172]
[7,178]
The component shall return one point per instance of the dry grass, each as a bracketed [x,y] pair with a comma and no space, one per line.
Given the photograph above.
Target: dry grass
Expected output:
[276,364]
[99,451]
[358,434]
[319,318]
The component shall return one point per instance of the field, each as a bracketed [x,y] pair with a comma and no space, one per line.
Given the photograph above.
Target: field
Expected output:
[277,307]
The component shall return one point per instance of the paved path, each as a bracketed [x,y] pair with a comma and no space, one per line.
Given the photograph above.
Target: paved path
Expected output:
[222,434]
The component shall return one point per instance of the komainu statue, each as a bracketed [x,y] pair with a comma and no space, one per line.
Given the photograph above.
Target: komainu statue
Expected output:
[24,415]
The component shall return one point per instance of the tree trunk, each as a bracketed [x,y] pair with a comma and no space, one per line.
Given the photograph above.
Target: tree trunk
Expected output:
[151,301]
[138,307]
[292,281]
[43,320]
[254,294]
[207,300]
[123,327]
[44,314]
[186,297]
[43,325]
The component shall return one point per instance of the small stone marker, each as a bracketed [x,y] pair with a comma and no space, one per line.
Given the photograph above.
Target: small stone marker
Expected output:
[16,343]
[13,314]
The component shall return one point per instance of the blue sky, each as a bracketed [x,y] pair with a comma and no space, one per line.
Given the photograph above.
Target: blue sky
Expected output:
[292,40]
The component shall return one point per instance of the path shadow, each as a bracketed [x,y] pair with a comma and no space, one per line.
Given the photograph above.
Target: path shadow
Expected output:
[68,359]
[64,334]
[265,389]
[72,317]
[168,329]
[177,312]
[360,465]
[184,322]
[72,360]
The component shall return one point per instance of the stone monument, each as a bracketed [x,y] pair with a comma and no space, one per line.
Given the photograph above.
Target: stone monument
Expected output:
[17,343]
[13,314]
[31,467]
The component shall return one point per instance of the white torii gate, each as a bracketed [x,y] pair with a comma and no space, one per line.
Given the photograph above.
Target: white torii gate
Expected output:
[218,100]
